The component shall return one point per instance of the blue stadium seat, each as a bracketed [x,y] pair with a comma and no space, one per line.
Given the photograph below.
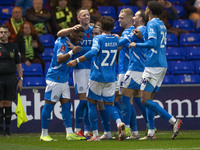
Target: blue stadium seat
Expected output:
[168,79]
[174,1]
[133,8]
[7,2]
[185,24]
[47,40]
[47,54]
[182,67]
[189,39]
[6,12]
[197,67]
[180,10]
[187,79]
[193,52]
[198,26]
[47,65]
[125,1]
[35,69]
[34,81]
[172,39]
[107,11]
[3,21]
[116,28]
[176,53]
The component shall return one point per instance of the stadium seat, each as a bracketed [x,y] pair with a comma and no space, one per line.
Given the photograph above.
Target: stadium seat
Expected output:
[197,67]
[34,81]
[176,53]
[180,10]
[198,26]
[47,40]
[47,65]
[185,24]
[125,1]
[193,52]
[7,2]
[35,69]
[172,39]
[168,79]
[174,1]
[3,21]
[189,39]
[107,11]
[116,28]
[187,79]
[133,8]
[182,67]
[6,12]
[47,54]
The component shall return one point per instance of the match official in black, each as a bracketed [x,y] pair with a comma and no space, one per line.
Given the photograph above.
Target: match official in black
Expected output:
[10,61]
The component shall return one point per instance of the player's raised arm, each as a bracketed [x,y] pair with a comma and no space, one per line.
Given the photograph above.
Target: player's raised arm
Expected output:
[65,32]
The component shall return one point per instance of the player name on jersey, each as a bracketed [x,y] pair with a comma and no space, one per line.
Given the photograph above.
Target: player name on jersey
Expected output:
[111,44]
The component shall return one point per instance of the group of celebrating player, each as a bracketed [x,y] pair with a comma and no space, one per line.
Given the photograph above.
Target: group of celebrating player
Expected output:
[92,51]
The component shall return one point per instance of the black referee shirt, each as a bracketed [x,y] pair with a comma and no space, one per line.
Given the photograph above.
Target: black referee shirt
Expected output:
[9,57]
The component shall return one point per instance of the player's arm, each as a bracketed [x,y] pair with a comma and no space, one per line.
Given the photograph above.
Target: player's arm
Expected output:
[151,43]
[65,32]
[82,58]
[64,57]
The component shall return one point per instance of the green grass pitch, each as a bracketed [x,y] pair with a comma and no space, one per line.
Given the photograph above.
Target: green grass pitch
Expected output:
[186,140]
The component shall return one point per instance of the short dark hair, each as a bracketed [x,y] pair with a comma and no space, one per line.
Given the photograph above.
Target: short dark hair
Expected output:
[142,14]
[107,23]
[155,7]
[80,29]
[5,27]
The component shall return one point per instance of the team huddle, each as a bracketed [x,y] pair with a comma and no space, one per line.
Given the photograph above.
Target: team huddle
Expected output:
[92,51]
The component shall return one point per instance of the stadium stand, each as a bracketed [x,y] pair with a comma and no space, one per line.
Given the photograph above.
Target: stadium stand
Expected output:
[107,11]
[185,24]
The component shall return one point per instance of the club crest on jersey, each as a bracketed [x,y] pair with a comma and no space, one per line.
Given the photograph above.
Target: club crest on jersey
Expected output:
[144,81]
[88,35]
[62,48]
[12,54]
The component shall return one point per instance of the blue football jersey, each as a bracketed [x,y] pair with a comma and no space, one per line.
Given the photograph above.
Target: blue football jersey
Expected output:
[59,72]
[137,55]
[156,57]
[103,64]
[123,59]
[86,45]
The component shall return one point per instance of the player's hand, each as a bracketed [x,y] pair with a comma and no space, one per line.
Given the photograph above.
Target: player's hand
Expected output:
[138,33]
[132,44]
[76,49]
[167,4]
[76,27]
[70,45]
[72,63]
[27,62]
[116,35]
[19,85]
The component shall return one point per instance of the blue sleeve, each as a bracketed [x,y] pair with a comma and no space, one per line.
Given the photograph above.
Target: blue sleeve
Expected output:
[90,54]
[85,49]
[151,43]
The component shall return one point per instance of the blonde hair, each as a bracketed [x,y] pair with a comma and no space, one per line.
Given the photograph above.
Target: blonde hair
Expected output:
[128,12]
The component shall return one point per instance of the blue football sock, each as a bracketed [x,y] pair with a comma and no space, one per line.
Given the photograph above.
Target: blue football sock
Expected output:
[150,118]
[86,120]
[105,120]
[118,105]
[112,111]
[157,109]
[93,116]
[126,105]
[79,113]
[133,122]
[66,114]
[46,115]
[141,107]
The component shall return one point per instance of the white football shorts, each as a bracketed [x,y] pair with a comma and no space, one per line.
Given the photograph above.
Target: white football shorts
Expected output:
[101,91]
[81,78]
[152,78]
[132,79]
[55,91]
